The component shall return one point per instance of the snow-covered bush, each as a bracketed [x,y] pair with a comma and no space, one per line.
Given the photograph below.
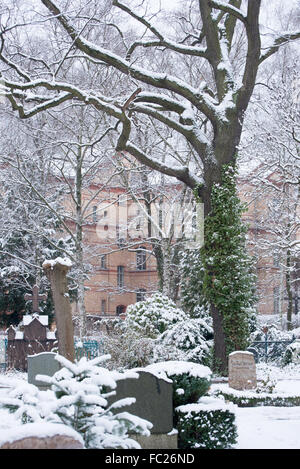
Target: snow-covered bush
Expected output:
[292,353]
[190,380]
[127,347]
[154,315]
[190,340]
[27,402]
[209,424]
[78,399]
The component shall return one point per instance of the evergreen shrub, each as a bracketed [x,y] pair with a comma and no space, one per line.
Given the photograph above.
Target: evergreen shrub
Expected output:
[205,426]
[154,315]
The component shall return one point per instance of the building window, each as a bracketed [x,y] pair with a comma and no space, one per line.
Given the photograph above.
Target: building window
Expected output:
[103,306]
[120,276]
[103,261]
[120,309]
[122,198]
[141,259]
[276,300]
[276,258]
[141,295]
[95,213]
[139,220]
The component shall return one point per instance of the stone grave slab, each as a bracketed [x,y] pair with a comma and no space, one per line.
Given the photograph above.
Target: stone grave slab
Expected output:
[153,399]
[42,364]
[242,370]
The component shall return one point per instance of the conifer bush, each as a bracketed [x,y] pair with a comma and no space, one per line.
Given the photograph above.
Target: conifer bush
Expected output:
[154,315]
[206,426]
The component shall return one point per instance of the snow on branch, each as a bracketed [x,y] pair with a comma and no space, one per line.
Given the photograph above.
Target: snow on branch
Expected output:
[69,91]
[284,38]
[158,80]
[227,8]
[181,48]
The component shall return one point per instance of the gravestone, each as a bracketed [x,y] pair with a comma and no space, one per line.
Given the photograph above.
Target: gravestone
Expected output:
[242,370]
[42,364]
[154,402]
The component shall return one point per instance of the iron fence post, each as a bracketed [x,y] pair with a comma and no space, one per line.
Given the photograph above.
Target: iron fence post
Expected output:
[266,346]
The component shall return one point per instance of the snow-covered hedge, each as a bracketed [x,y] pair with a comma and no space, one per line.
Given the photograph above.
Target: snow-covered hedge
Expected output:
[250,398]
[186,340]
[208,424]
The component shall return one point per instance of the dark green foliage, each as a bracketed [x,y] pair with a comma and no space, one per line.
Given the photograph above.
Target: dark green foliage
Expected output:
[206,429]
[194,387]
[228,282]
[191,286]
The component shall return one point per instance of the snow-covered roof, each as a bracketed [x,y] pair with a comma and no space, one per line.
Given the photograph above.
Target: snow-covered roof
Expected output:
[44,319]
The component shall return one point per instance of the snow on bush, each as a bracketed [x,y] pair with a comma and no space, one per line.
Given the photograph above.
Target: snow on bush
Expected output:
[176,336]
[208,424]
[292,353]
[186,340]
[154,315]
[128,348]
[78,399]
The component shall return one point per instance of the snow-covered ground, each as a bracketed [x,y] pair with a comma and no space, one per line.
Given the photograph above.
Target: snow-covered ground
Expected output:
[271,427]
[258,427]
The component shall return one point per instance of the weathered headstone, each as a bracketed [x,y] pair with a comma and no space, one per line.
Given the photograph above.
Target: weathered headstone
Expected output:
[56,271]
[242,370]
[42,364]
[154,402]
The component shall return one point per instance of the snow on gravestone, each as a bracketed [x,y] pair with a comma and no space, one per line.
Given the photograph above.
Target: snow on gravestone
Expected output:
[241,370]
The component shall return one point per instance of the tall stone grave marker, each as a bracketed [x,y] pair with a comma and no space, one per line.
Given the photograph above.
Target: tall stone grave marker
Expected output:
[242,370]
